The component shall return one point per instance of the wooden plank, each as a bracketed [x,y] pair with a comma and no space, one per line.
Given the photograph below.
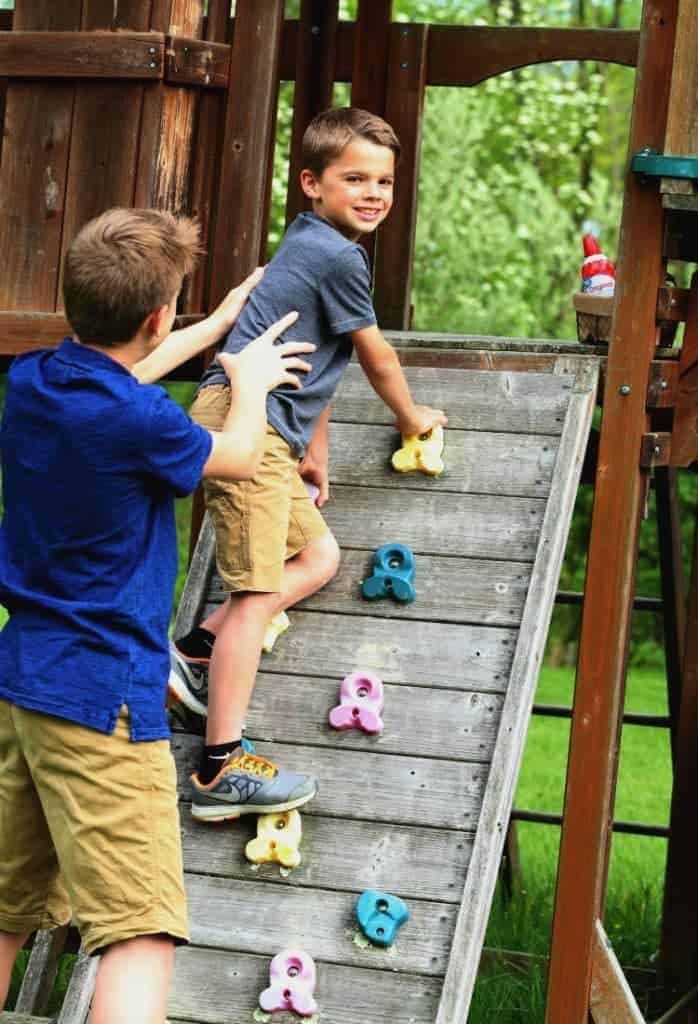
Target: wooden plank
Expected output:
[323,644]
[371,44]
[40,973]
[238,242]
[679,941]
[478,462]
[474,400]
[404,110]
[33,171]
[508,752]
[452,724]
[197,62]
[470,525]
[208,986]
[611,999]
[432,862]
[668,506]
[413,791]
[315,58]
[78,996]
[474,591]
[254,917]
[467,55]
[82,55]
[618,507]
[682,122]
[684,440]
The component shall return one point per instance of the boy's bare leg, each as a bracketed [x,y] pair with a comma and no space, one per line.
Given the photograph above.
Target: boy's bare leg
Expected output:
[133,981]
[240,632]
[10,946]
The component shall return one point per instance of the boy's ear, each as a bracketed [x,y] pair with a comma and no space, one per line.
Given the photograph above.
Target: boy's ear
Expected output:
[309,184]
[155,321]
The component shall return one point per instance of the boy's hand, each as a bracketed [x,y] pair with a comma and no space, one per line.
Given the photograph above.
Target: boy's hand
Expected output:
[314,469]
[422,419]
[227,312]
[266,364]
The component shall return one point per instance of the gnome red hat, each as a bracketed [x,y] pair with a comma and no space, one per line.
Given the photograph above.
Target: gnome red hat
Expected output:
[598,272]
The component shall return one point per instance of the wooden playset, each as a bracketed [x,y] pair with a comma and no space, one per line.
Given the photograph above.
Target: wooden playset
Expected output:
[165,104]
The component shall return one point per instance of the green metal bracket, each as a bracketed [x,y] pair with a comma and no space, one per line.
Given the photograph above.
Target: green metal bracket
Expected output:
[648,163]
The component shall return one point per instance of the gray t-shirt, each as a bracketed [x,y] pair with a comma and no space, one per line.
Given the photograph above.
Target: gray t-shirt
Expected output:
[324,276]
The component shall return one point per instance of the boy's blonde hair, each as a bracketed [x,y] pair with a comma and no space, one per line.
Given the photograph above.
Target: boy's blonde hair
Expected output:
[330,132]
[123,265]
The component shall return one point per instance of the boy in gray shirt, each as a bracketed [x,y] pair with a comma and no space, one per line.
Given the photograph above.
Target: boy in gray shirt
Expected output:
[273,547]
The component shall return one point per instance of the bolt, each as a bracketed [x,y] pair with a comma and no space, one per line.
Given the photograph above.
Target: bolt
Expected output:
[315,30]
[624,389]
[404,64]
[657,450]
[663,384]
[153,64]
[152,49]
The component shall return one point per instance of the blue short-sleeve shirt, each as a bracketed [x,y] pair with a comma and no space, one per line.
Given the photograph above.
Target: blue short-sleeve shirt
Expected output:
[91,463]
[326,278]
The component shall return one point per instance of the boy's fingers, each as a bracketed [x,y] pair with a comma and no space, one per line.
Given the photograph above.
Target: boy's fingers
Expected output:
[273,332]
[294,348]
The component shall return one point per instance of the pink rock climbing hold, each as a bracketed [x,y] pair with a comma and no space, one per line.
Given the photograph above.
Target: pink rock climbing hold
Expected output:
[361,702]
[291,984]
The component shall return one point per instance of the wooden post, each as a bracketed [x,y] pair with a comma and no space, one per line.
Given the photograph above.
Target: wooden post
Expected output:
[243,195]
[407,69]
[674,618]
[317,42]
[618,506]
[37,126]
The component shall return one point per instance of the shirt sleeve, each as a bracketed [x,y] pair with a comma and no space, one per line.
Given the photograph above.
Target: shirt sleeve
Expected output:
[345,291]
[175,449]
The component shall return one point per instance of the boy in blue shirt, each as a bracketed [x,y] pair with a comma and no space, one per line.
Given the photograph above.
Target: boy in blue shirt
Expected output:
[92,458]
[273,547]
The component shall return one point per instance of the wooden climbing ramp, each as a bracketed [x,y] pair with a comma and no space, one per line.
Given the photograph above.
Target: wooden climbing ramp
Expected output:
[421,810]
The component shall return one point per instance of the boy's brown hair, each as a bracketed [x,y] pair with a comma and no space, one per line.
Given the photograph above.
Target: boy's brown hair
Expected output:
[123,265]
[330,132]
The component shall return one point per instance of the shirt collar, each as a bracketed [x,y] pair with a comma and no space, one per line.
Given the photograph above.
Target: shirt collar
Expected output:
[75,354]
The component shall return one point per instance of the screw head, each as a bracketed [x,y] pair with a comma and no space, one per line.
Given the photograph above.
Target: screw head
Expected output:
[663,384]
[624,389]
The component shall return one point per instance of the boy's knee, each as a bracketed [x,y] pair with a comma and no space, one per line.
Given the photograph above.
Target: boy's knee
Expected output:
[328,557]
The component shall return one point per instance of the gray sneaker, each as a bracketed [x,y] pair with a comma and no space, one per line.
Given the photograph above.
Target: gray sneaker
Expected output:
[188,681]
[249,784]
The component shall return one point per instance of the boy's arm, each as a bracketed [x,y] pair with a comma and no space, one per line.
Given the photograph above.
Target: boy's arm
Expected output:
[381,365]
[314,466]
[179,346]
[238,447]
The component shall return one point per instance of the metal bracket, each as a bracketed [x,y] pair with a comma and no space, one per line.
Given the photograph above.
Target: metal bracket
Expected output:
[648,163]
[655,450]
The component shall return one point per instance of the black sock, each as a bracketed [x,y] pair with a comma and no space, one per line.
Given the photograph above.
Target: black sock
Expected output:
[212,759]
[197,644]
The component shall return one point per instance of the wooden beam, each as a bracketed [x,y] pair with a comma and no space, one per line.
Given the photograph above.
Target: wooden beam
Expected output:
[315,60]
[196,62]
[618,507]
[243,198]
[612,1000]
[405,112]
[682,126]
[679,943]
[82,55]
[465,55]
[684,445]
[37,129]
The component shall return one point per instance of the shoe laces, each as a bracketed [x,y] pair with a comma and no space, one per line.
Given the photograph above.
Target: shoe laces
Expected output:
[254,764]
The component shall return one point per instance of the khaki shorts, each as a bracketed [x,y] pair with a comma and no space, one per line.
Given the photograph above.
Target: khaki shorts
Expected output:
[259,523]
[89,825]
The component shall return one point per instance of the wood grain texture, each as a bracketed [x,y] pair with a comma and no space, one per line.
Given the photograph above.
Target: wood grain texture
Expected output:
[478,462]
[611,1000]
[682,120]
[520,403]
[508,751]
[82,55]
[473,591]
[212,986]
[412,790]
[256,917]
[355,855]
[407,66]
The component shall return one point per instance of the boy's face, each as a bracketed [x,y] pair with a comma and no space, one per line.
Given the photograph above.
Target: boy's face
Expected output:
[355,192]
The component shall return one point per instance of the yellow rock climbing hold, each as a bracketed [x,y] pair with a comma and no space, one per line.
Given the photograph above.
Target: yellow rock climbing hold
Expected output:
[278,839]
[421,452]
[278,625]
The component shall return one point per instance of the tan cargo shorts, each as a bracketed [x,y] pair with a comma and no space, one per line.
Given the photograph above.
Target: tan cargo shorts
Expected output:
[89,827]
[259,523]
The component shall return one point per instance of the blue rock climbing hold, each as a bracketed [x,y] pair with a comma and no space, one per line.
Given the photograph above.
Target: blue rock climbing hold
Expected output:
[380,915]
[393,573]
